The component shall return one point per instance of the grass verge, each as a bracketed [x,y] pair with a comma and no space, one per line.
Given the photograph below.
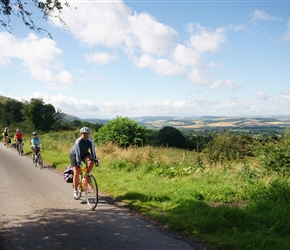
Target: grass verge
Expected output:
[232,206]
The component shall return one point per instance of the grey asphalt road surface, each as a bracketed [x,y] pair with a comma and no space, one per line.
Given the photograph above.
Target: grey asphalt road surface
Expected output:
[37,211]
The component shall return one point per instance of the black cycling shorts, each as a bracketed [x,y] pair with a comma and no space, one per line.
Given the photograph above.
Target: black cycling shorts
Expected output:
[73,159]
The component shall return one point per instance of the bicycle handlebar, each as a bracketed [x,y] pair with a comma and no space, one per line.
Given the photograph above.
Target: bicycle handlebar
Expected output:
[96,161]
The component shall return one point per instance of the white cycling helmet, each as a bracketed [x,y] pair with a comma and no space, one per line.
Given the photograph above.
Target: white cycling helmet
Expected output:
[85,130]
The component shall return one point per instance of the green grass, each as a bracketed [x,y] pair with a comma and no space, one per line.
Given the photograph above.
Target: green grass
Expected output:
[232,206]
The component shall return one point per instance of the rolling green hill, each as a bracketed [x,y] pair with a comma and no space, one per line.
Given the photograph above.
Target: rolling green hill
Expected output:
[193,123]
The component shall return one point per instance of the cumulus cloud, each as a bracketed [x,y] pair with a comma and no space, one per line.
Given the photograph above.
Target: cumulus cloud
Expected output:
[203,40]
[262,96]
[101,58]
[264,16]
[98,23]
[288,32]
[38,55]
[190,107]
[151,36]
[146,41]
[227,83]
[286,95]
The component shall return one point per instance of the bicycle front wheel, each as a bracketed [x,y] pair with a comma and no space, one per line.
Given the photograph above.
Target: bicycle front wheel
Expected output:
[40,161]
[91,191]
[21,149]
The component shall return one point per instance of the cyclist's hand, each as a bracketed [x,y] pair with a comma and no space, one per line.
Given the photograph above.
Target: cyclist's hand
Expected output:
[97,162]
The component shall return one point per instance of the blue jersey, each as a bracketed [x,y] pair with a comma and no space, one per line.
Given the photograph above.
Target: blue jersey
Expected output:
[35,141]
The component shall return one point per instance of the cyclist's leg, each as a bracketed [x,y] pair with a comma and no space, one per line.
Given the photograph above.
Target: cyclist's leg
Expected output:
[76,176]
[76,180]
[90,162]
[32,148]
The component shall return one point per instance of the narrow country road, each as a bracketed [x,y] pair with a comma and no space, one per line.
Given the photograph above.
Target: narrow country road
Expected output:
[37,211]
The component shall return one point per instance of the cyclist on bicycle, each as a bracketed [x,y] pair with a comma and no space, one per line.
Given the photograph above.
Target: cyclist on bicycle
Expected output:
[6,135]
[35,143]
[18,138]
[83,150]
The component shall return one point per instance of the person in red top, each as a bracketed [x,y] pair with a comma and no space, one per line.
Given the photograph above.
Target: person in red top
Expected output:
[18,137]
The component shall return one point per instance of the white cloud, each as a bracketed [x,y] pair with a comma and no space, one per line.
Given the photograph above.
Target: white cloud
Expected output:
[227,83]
[4,61]
[231,84]
[147,42]
[186,56]
[161,66]
[237,27]
[199,77]
[190,107]
[101,58]
[286,95]
[262,96]
[262,15]
[288,32]
[72,105]
[103,23]
[151,36]
[39,56]
[203,41]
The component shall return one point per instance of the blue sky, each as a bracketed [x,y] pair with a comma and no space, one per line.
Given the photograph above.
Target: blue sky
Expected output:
[152,58]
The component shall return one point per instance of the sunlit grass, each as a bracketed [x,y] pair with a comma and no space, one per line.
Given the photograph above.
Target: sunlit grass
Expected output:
[236,205]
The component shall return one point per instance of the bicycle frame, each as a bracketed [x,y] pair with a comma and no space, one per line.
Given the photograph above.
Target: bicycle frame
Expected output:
[88,184]
[7,138]
[19,146]
[38,157]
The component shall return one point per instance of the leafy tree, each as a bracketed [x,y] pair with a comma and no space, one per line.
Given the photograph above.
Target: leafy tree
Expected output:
[172,137]
[287,134]
[19,8]
[11,112]
[76,123]
[151,136]
[121,131]
[42,116]
[227,147]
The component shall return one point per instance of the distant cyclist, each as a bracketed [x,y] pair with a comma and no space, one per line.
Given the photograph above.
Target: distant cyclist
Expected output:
[5,134]
[83,150]
[35,143]
[18,137]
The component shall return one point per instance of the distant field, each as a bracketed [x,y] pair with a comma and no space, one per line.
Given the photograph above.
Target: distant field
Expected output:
[213,122]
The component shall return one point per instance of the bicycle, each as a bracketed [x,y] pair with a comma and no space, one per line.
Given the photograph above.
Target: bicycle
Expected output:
[37,157]
[19,147]
[7,141]
[88,185]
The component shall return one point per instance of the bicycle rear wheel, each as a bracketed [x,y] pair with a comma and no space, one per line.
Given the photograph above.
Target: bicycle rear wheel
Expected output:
[91,191]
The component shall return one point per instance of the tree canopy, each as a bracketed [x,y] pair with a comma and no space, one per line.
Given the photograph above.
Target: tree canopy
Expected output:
[122,131]
[11,112]
[20,9]
[41,115]
[172,137]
